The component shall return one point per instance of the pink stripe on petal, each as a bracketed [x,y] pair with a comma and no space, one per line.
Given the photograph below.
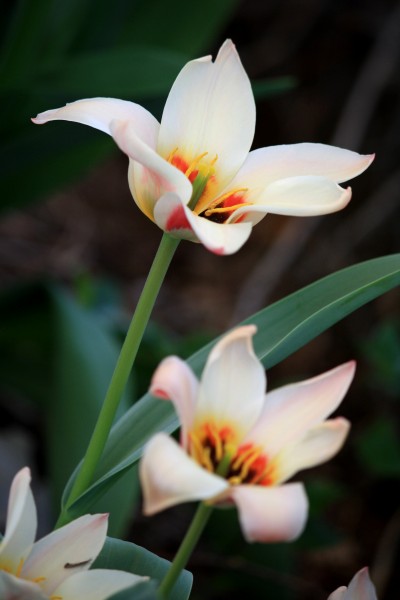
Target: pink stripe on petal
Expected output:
[174,380]
[177,220]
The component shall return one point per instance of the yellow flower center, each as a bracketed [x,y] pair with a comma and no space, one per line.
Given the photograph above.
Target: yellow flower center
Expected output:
[214,449]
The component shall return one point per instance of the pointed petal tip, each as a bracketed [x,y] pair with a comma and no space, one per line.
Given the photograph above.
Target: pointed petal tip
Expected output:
[349,368]
[25,472]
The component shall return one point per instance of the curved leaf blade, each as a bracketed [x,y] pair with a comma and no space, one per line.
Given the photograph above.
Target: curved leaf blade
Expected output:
[125,556]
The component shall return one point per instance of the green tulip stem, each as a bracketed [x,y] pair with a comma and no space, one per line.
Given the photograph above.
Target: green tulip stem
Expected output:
[122,371]
[186,548]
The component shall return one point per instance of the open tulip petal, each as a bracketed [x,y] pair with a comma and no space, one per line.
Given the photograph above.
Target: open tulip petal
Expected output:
[265,165]
[339,594]
[174,380]
[40,571]
[100,112]
[98,584]
[150,176]
[171,214]
[76,544]
[211,108]
[169,476]
[21,522]
[301,197]
[291,411]
[360,588]
[271,514]
[318,445]
[233,384]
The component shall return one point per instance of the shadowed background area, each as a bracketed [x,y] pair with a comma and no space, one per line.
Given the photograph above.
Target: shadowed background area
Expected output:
[74,252]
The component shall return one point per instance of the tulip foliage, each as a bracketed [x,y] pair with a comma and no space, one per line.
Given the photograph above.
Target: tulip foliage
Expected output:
[241,444]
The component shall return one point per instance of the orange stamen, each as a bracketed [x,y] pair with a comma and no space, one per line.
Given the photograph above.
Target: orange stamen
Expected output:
[231,193]
[225,209]
[194,164]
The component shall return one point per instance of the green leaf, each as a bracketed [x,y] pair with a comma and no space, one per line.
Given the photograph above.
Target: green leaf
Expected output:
[85,356]
[378,448]
[283,328]
[125,556]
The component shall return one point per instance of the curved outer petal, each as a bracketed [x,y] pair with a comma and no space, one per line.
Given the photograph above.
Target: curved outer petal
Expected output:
[360,588]
[211,108]
[171,214]
[265,165]
[153,176]
[97,584]
[75,543]
[14,588]
[169,476]
[318,445]
[100,112]
[271,514]
[338,594]
[291,411]
[233,383]
[296,196]
[174,380]
[21,522]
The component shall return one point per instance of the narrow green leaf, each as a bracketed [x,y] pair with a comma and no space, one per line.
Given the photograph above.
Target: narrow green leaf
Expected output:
[117,554]
[85,356]
[283,328]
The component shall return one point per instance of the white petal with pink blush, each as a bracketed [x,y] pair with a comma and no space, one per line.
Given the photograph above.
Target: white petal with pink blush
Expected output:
[360,588]
[240,445]
[36,571]
[201,154]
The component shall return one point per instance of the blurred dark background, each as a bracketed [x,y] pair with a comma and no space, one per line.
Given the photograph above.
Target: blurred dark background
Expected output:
[74,252]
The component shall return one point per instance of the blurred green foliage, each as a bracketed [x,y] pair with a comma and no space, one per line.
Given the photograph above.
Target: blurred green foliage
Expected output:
[382,351]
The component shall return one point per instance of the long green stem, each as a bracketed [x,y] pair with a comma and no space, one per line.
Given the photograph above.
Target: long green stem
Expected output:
[122,370]
[186,548]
